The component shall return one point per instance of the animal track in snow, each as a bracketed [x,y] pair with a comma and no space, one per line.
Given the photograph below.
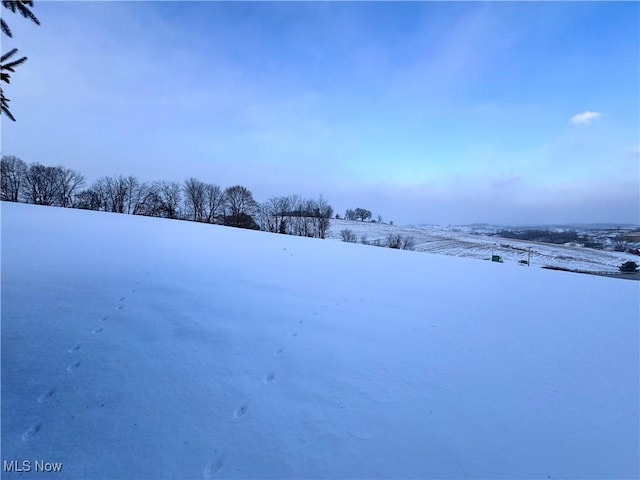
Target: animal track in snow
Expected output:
[74,349]
[122,299]
[29,434]
[300,321]
[133,290]
[46,395]
[294,334]
[211,468]
[278,352]
[119,307]
[73,366]
[97,330]
[270,377]
[105,318]
[240,411]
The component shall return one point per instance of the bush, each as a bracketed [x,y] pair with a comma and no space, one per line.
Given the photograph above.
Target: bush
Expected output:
[395,240]
[408,243]
[628,267]
[348,235]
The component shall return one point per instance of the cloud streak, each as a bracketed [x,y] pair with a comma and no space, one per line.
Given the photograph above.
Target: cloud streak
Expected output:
[584,118]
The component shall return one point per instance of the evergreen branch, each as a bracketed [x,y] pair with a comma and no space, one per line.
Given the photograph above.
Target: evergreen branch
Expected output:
[5,28]
[22,6]
[8,55]
[4,106]
[15,63]
[6,111]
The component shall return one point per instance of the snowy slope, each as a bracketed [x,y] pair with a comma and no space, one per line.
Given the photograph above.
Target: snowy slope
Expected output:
[455,241]
[139,348]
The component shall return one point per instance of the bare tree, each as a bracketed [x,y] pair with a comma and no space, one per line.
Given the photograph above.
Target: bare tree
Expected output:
[240,207]
[132,194]
[295,225]
[41,184]
[12,174]
[284,207]
[320,213]
[145,201]
[300,216]
[117,193]
[89,199]
[347,235]
[408,243]
[270,215]
[69,181]
[265,219]
[350,215]
[363,214]
[305,215]
[113,193]
[620,243]
[98,194]
[275,213]
[295,215]
[213,202]
[140,198]
[194,191]
[168,197]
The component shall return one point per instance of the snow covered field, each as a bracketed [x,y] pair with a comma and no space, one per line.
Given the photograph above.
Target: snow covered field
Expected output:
[457,242]
[140,348]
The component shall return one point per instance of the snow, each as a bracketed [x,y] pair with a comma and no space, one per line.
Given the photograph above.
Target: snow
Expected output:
[459,241]
[140,348]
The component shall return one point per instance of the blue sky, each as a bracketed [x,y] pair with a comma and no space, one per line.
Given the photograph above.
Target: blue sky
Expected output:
[427,112]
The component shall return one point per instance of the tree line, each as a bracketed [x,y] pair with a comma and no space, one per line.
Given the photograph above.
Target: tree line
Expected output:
[361,214]
[547,236]
[295,215]
[192,200]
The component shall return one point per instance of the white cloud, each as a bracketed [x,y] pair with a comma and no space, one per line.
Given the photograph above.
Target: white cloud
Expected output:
[584,118]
